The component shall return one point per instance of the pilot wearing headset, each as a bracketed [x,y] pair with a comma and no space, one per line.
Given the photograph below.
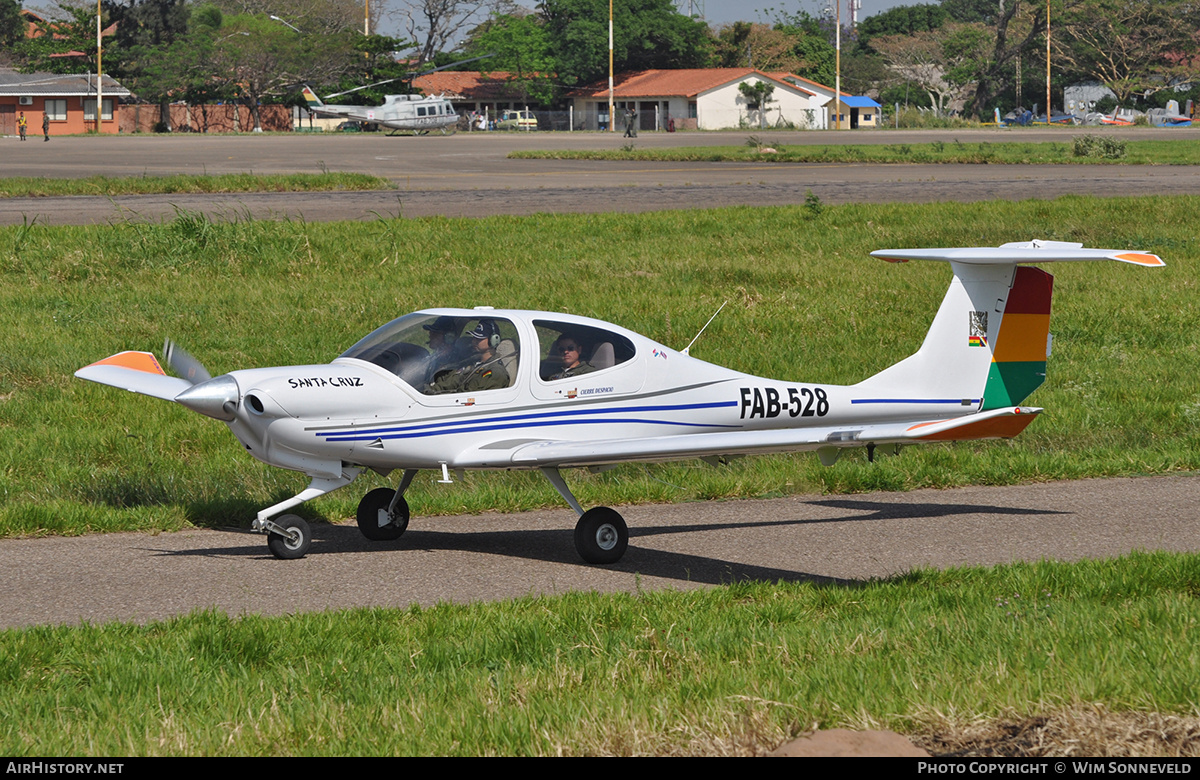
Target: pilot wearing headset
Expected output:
[481,371]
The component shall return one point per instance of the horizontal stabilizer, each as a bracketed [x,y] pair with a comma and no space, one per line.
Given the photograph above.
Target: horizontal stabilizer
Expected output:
[138,372]
[996,424]
[1019,252]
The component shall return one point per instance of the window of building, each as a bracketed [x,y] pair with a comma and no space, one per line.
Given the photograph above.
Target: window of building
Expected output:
[56,109]
[89,109]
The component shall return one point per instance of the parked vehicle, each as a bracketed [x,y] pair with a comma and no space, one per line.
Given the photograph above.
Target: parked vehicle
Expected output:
[518,120]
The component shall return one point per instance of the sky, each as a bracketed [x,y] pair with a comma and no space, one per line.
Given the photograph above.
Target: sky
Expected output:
[718,12]
[724,11]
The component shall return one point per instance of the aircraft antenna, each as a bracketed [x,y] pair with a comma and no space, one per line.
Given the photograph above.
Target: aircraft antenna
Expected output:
[710,319]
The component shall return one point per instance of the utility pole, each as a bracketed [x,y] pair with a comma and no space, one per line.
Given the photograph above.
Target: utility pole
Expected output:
[99,72]
[837,79]
[1047,63]
[612,120]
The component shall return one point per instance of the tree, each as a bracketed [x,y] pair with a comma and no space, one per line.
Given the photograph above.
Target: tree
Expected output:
[12,25]
[902,20]
[434,23]
[812,45]
[981,11]
[1017,28]
[758,97]
[314,17]
[1131,46]
[646,34]
[374,71]
[145,32]
[263,58]
[521,47]
[747,45]
[73,29]
[941,62]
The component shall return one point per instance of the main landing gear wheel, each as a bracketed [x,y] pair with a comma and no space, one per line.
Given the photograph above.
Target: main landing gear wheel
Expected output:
[295,543]
[601,535]
[373,519]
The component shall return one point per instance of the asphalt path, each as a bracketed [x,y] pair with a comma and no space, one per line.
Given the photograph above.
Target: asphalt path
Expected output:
[828,539]
[140,577]
[469,174]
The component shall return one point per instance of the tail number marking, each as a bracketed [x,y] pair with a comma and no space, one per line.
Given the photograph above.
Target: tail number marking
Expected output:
[768,402]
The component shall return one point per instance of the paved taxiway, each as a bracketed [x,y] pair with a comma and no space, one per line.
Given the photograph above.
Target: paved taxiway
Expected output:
[471,175]
[142,577]
[139,577]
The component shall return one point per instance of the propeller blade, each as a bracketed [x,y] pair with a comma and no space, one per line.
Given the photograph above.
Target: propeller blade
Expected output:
[184,364]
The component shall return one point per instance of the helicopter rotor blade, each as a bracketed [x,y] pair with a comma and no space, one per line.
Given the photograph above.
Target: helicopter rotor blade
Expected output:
[407,77]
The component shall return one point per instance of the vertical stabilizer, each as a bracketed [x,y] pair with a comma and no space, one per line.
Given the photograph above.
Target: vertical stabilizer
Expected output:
[955,360]
[311,98]
[1023,343]
[988,343]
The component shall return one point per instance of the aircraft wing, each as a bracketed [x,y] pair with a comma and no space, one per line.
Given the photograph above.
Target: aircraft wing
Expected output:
[138,372]
[995,424]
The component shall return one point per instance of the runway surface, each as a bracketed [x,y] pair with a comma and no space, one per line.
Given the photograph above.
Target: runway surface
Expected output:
[471,175]
[139,577]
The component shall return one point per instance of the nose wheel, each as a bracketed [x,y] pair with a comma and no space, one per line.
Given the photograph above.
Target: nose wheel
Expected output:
[290,538]
[601,535]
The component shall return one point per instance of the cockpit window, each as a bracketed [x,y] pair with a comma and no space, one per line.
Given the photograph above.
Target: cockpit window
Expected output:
[441,354]
[569,350]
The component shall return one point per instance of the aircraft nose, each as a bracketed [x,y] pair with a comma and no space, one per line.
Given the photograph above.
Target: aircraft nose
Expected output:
[216,398]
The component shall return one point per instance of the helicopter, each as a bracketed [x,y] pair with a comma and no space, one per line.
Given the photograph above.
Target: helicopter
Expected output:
[415,113]
[418,114]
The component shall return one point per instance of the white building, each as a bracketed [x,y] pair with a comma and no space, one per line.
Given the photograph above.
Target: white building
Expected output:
[702,99]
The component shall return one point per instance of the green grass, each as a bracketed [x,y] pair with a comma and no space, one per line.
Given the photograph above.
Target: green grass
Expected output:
[730,669]
[1157,152]
[180,183]
[805,303]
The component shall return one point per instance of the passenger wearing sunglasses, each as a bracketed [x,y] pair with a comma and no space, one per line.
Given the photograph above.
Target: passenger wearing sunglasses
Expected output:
[570,351]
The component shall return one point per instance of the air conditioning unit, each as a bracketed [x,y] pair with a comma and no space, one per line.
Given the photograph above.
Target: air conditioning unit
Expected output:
[26,100]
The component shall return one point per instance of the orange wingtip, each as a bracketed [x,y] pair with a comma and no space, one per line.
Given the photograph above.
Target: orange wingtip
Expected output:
[1140,258]
[138,361]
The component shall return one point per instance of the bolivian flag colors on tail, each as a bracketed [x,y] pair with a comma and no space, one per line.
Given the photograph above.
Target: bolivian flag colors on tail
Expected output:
[1019,360]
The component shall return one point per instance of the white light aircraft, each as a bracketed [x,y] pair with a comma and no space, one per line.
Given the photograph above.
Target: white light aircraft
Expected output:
[379,405]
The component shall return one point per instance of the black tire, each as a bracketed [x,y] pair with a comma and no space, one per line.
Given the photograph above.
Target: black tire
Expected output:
[296,544]
[601,535]
[368,516]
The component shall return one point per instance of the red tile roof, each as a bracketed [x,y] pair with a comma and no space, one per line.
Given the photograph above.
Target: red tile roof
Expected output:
[686,82]
[789,77]
[469,85]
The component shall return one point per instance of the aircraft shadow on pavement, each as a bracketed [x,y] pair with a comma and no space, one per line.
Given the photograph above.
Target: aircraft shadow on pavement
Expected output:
[556,546]
[885,510]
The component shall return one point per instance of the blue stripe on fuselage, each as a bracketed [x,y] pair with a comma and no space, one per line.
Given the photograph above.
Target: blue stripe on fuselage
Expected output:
[524,421]
[957,401]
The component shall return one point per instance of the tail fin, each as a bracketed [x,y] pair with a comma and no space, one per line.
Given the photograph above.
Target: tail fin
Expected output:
[989,341]
[311,98]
